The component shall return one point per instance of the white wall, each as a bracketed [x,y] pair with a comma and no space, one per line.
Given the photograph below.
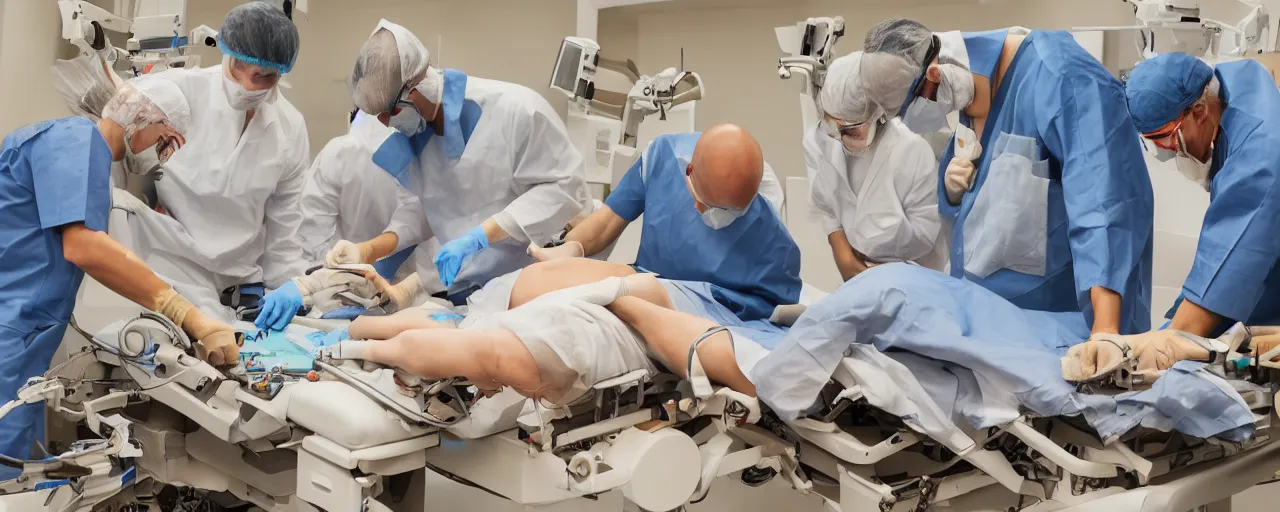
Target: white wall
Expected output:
[30,40]
[510,40]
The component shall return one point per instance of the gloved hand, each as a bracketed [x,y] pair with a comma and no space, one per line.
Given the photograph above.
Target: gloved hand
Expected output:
[213,340]
[570,249]
[958,179]
[1153,353]
[279,307]
[449,260]
[346,252]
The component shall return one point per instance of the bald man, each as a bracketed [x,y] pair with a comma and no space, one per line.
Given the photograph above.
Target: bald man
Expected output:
[707,226]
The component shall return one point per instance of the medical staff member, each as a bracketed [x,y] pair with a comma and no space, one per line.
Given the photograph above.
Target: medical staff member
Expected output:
[1221,127]
[494,166]
[1056,213]
[55,195]
[234,189]
[872,182]
[706,220]
[346,197]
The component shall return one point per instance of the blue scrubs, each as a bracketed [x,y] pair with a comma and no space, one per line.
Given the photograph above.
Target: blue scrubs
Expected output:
[1071,113]
[1240,239]
[51,174]
[752,264]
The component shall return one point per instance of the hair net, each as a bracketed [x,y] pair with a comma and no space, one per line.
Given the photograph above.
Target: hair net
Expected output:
[86,85]
[843,95]
[391,58]
[905,38]
[260,34]
[149,99]
[1160,88]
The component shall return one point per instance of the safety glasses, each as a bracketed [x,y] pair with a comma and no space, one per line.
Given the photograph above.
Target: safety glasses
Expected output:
[1165,139]
[917,87]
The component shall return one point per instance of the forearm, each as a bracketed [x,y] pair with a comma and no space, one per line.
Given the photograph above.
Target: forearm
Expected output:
[598,231]
[1193,318]
[493,232]
[847,260]
[1106,310]
[380,247]
[113,265]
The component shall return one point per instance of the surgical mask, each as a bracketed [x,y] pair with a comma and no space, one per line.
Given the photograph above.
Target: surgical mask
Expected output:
[144,162]
[955,91]
[240,98]
[1191,167]
[408,121]
[716,217]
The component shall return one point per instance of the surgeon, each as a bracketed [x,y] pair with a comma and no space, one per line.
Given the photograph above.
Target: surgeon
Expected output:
[234,189]
[1221,128]
[346,197]
[872,182]
[708,225]
[490,161]
[55,195]
[1055,214]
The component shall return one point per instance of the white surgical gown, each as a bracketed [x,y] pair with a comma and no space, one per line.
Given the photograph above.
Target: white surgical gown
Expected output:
[235,191]
[347,197]
[518,166]
[885,200]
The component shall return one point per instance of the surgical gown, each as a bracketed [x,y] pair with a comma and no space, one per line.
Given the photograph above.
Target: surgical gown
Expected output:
[884,200]
[347,197]
[1240,239]
[504,155]
[52,174]
[753,265]
[235,191]
[1071,201]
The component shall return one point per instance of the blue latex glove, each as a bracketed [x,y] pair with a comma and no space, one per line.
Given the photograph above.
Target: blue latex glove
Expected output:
[449,260]
[279,307]
[333,338]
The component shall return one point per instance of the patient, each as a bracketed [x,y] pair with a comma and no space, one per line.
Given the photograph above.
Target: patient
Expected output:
[552,331]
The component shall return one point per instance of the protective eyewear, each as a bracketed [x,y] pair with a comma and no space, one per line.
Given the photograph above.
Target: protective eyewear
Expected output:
[1165,139]
[935,47]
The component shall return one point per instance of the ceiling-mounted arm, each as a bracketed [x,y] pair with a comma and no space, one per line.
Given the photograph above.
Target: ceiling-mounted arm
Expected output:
[1176,26]
[809,46]
[656,95]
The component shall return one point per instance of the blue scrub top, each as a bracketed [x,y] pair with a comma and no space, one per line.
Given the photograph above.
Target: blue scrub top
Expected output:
[1240,238]
[51,174]
[1100,204]
[752,264]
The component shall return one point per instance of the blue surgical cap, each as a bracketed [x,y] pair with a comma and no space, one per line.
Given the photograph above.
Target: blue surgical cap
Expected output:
[1160,88]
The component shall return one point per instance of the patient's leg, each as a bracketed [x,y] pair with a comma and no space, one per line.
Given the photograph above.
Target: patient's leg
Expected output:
[490,359]
[669,335]
[385,327]
[540,278]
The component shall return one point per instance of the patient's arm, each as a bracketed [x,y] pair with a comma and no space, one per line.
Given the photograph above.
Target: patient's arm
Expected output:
[386,327]
[669,335]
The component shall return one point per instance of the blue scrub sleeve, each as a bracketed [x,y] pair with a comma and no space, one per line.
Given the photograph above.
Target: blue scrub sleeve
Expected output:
[70,165]
[1105,186]
[1239,244]
[628,199]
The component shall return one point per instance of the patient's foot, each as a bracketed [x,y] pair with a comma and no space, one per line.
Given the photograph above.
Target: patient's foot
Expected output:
[1148,354]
